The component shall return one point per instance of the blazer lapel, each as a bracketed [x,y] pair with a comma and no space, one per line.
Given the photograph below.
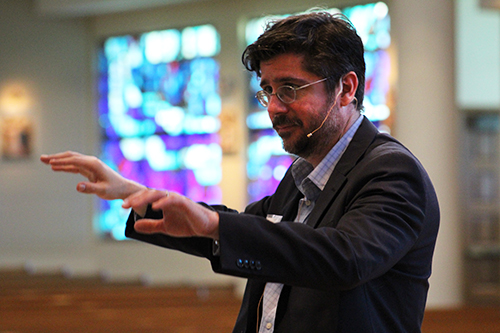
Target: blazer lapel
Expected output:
[360,142]
[291,208]
[285,200]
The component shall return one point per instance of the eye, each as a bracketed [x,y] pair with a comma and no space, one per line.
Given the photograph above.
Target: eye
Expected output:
[268,89]
[293,85]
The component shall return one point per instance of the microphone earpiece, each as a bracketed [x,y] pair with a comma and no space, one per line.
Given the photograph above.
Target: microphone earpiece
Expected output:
[330,110]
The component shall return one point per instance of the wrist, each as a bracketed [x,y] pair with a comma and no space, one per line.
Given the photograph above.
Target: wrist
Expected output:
[131,187]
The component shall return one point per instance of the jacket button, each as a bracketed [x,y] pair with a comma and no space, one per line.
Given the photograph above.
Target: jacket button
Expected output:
[258,265]
[246,263]
[239,263]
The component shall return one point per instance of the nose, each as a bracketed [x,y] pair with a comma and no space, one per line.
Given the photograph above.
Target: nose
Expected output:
[276,106]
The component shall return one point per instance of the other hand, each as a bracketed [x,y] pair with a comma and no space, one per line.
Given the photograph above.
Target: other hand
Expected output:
[182,217]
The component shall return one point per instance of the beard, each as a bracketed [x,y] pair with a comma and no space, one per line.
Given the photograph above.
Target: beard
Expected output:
[298,143]
[290,144]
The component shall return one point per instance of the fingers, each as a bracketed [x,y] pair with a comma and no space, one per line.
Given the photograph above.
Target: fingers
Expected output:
[140,200]
[149,226]
[145,197]
[68,161]
[89,188]
[66,168]
[46,158]
[166,199]
[67,158]
[72,162]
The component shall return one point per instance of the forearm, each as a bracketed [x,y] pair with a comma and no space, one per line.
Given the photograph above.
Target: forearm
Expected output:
[199,246]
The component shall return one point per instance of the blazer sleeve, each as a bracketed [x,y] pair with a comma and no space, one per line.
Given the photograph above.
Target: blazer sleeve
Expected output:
[197,246]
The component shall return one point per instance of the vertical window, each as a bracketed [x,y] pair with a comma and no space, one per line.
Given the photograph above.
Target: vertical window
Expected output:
[267,161]
[158,108]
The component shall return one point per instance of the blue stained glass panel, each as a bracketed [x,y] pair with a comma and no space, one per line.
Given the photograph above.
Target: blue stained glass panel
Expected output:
[158,107]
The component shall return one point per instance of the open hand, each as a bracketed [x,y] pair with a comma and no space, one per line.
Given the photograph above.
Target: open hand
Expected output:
[102,180]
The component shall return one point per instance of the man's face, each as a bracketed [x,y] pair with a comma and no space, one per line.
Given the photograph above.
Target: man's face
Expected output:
[294,121]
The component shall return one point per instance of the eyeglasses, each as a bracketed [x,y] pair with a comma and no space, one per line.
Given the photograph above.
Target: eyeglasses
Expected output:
[287,94]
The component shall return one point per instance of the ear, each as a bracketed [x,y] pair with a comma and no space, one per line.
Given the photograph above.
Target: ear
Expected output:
[349,86]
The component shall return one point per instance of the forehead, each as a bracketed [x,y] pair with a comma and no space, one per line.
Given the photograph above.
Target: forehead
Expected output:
[284,67]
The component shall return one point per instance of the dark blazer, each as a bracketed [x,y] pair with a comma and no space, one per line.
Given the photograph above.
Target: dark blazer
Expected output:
[362,261]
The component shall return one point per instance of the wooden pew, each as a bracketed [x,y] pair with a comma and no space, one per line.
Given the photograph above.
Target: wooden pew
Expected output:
[52,303]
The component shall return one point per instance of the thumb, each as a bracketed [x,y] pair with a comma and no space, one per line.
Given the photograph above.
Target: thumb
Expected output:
[148,226]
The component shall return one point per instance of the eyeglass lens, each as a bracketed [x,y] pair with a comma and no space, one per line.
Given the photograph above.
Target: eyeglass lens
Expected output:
[285,93]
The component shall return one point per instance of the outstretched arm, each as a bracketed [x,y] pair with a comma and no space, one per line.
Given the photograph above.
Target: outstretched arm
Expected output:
[181,216]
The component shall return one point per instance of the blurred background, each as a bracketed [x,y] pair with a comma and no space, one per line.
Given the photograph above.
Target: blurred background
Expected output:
[156,88]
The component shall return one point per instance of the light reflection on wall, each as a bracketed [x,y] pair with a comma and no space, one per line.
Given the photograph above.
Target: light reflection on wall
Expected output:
[267,161]
[158,109]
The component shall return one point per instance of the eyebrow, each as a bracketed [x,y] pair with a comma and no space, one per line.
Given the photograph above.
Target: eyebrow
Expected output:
[285,79]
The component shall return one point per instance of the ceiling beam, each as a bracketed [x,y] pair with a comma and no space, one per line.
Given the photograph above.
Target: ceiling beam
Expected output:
[80,8]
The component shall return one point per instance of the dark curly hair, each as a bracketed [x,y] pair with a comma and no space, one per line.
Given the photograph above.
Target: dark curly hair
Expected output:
[329,43]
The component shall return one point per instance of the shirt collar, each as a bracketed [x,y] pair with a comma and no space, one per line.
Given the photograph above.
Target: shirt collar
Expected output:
[311,181]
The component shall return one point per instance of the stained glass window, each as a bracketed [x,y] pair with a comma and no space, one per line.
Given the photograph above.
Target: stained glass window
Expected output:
[158,112]
[266,159]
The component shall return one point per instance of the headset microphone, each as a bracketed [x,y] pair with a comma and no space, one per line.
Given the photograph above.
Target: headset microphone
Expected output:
[328,114]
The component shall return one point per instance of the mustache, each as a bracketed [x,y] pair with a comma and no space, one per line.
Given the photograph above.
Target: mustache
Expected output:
[283,120]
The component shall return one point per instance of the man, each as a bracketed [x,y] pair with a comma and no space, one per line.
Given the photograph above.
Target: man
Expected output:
[345,243]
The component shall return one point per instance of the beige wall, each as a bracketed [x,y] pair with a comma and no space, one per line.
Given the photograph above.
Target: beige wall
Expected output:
[427,122]
[47,225]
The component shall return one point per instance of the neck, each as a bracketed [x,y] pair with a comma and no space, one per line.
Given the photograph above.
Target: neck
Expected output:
[316,157]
